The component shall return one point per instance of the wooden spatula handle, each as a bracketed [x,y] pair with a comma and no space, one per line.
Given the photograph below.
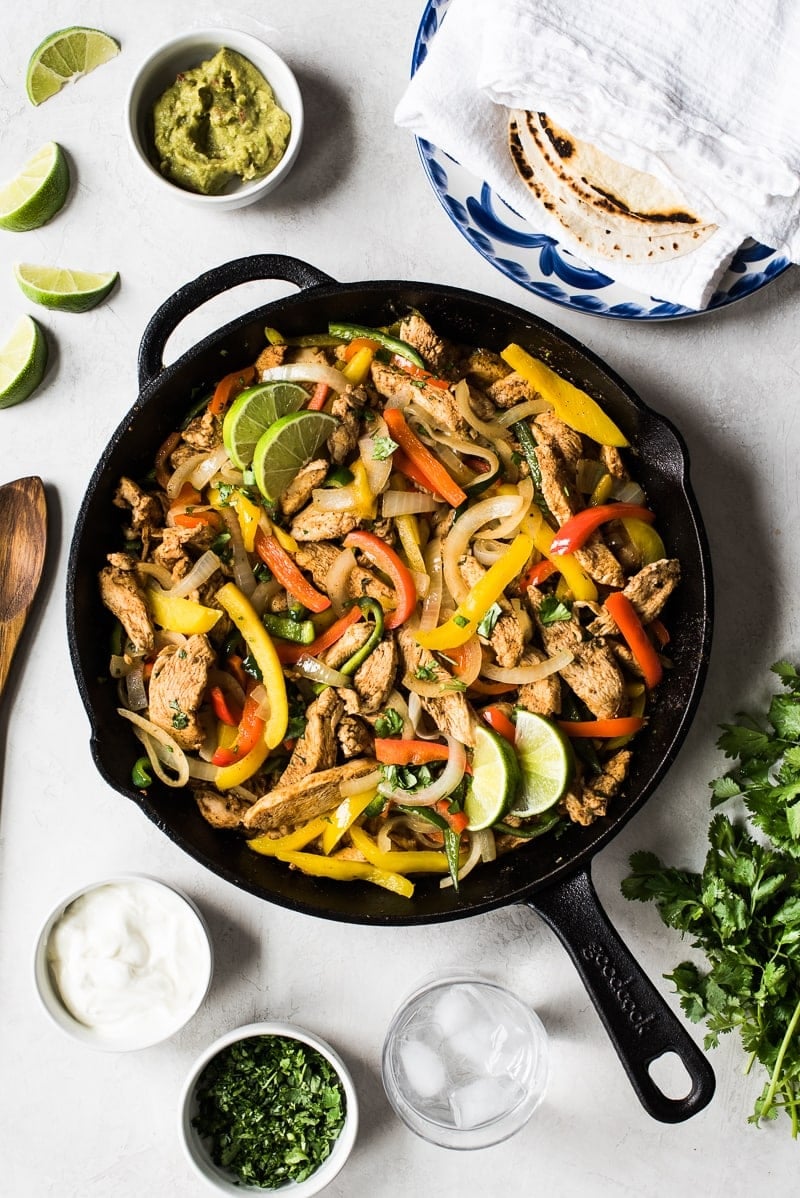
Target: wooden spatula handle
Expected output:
[23,535]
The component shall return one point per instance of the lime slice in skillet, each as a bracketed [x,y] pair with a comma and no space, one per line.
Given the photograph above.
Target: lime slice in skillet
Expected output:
[495,780]
[545,756]
[36,194]
[251,414]
[64,56]
[287,445]
[23,359]
[64,290]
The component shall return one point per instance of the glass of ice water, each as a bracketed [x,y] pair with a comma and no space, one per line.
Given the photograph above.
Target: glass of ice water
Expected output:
[464,1062]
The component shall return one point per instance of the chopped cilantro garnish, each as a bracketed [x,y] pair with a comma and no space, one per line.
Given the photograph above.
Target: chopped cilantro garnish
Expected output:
[428,673]
[383,448]
[552,610]
[486,626]
[404,777]
[180,719]
[390,723]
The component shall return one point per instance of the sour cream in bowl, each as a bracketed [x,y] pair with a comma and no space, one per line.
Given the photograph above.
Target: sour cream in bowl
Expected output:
[123,963]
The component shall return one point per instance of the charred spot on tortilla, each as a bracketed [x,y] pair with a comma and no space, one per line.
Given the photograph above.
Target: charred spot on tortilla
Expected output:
[613,210]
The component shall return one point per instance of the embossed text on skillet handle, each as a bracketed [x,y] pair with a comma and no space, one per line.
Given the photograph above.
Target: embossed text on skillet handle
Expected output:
[641,1025]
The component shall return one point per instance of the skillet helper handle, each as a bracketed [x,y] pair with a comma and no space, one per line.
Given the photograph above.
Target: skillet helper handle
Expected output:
[214,282]
[640,1024]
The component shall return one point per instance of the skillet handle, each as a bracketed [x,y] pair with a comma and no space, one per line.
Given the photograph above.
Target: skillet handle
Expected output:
[641,1025]
[192,295]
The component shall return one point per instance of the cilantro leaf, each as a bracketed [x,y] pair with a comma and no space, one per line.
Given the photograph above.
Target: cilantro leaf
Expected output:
[383,448]
[552,610]
[487,624]
[389,723]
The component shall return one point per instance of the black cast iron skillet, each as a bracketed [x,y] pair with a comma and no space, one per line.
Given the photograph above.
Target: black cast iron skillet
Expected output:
[552,876]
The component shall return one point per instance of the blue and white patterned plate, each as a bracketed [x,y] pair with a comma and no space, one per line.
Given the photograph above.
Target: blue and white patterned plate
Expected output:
[537,262]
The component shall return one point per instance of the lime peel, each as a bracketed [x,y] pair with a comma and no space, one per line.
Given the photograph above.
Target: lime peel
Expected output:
[23,360]
[61,289]
[545,757]
[64,56]
[37,193]
[495,780]
[253,412]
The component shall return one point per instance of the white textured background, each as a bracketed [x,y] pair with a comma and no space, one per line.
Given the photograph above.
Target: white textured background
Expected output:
[75,1124]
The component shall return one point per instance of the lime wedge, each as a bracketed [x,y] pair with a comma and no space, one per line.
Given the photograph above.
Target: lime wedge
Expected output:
[37,193]
[545,756]
[63,290]
[287,445]
[64,56]
[495,780]
[23,359]
[251,414]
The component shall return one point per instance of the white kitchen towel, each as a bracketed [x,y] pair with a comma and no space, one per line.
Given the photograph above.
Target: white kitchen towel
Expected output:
[702,95]
[444,104]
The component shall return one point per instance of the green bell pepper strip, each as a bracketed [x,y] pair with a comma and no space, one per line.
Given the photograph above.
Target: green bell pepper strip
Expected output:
[306,340]
[530,831]
[370,607]
[140,773]
[302,632]
[452,839]
[572,710]
[349,332]
[340,476]
[527,443]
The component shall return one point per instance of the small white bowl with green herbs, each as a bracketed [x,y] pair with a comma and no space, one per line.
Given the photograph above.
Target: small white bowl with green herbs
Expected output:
[269,1106]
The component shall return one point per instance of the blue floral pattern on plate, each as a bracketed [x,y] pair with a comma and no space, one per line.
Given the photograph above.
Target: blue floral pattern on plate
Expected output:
[537,262]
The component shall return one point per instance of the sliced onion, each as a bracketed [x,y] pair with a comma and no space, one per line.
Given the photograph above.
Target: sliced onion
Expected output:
[457,540]
[334,499]
[588,475]
[459,445]
[337,578]
[418,722]
[243,574]
[147,732]
[509,526]
[243,793]
[206,565]
[259,695]
[120,666]
[407,503]
[378,470]
[228,685]
[471,660]
[202,475]
[488,552]
[627,491]
[228,473]
[444,785]
[306,372]
[431,688]
[432,604]
[493,431]
[154,570]
[359,786]
[204,771]
[165,636]
[317,671]
[521,411]
[422,583]
[264,592]
[181,474]
[522,675]
[135,689]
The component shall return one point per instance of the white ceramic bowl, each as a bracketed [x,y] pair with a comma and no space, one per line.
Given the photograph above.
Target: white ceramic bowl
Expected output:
[181,54]
[179,907]
[225,1182]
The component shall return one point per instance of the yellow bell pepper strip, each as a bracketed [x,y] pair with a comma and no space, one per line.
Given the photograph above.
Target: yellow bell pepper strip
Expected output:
[574,575]
[399,861]
[465,620]
[344,817]
[366,503]
[247,512]
[260,645]
[180,615]
[571,404]
[602,491]
[408,532]
[269,847]
[351,332]
[238,773]
[357,369]
[645,540]
[348,871]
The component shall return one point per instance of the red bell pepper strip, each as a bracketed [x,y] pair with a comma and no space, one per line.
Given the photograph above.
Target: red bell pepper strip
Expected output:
[418,372]
[319,398]
[627,620]
[409,752]
[499,722]
[222,708]
[385,558]
[288,573]
[537,574]
[457,820]
[577,530]
[624,725]
[403,463]
[196,519]
[481,687]
[236,669]
[432,469]
[251,729]
[352,347]
[229,387]
[289,654]
[659,632]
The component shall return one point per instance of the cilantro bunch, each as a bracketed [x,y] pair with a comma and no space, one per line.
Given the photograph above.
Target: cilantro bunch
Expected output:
[743,910]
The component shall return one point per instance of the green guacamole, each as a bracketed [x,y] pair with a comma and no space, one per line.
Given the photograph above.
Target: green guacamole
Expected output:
[219,122]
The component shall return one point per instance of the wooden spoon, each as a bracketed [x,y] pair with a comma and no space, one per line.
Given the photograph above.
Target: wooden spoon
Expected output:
[23,536]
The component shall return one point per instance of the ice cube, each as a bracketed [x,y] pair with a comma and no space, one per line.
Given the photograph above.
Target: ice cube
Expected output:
[423,1068]
[473,1044]
[483,1101]
[453,1010]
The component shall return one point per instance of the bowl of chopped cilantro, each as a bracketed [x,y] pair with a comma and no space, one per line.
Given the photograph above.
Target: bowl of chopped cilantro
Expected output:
[269,1106]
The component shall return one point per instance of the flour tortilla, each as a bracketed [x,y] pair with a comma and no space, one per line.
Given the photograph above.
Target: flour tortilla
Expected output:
[611,209]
